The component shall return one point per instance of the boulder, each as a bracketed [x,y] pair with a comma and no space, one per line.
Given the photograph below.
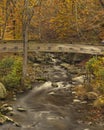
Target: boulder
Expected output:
[3,92]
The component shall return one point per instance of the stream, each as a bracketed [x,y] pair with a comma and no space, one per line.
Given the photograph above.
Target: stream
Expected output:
[48,106]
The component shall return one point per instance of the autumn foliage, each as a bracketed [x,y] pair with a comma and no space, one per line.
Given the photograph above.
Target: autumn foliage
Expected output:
[95,78]
[54,20]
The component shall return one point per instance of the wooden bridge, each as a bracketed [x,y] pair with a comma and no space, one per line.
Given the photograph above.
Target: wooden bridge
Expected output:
[52,47]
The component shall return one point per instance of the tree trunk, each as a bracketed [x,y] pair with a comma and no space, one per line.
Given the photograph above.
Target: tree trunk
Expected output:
[25,46]
[7,13]
[25,26]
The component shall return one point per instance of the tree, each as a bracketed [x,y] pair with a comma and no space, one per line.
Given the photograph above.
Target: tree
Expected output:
[27,15]
[7,13]
[8,22]
[102,3]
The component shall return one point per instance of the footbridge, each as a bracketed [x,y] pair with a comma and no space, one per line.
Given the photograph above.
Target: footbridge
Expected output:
[53,47]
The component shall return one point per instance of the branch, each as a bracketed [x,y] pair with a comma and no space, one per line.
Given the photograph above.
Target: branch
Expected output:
[102,3]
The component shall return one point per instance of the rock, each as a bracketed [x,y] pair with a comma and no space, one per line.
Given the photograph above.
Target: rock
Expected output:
[74,83]
[21,109]
[79,111]
[79,79]
[5,108]
[74,92]
[2,119]
[35,65]
[74,71]
[3,92]
[76,101]
[9,119]
[4,105]
[71,69]
[91,95]
[60,84]
[79,121]
[17,124]
[51,93]
[102,41]
[14,98]
[84,102]
[90,123]
[65,65]
[55,85]
[9,109]
[11,113]
[21,91]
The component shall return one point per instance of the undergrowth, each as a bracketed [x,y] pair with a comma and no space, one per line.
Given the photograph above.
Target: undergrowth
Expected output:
[11,72]
[95,78]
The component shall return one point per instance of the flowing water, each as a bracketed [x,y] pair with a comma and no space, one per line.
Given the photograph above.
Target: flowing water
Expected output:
[48,106]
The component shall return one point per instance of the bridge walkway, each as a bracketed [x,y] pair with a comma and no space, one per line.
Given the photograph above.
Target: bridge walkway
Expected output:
[53,47]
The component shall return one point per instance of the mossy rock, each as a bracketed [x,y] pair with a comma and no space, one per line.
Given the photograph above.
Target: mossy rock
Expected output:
[3,92]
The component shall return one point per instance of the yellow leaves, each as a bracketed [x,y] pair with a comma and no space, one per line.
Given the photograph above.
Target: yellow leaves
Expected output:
[61,16]
[68,1]
[33,3]
[95,66]
[52,20]
[99,102]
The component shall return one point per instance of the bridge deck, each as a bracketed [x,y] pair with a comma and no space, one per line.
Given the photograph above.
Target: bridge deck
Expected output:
[52,47]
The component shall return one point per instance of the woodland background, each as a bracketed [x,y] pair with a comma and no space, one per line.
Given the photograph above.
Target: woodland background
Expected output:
[54,20]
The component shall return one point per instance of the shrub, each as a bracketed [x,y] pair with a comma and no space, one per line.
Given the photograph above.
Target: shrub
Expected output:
[5,65]
[95,69]
[11,71]
[99,102]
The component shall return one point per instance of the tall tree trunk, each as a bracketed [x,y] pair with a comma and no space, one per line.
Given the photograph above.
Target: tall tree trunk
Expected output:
[7,13]
[40,33]
[76,17]
[27,16]
[25,46]
[25,26]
